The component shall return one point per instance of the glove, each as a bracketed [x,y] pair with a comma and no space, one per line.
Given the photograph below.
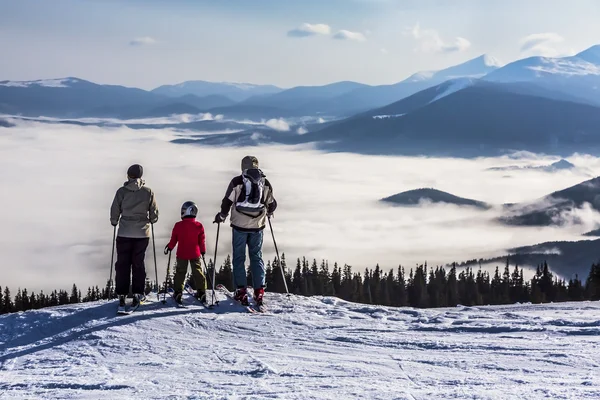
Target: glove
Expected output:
[219,218]
[167,249]
[271,209]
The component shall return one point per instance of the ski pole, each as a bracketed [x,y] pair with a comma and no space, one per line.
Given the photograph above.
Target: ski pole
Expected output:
[164,300]
[214,277]
[112,261]
[155,264]
[278,258]
[210,281]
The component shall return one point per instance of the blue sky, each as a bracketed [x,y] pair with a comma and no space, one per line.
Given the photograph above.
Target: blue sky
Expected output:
[146,43]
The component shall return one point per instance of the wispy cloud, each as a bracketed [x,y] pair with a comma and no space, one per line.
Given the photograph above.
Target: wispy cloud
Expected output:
[306,30]
[348,35]
[384,50]
[143,41]
[546,44]
[429,41]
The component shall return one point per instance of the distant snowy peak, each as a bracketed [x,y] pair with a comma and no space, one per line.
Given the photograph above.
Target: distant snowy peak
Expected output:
[591,55]
[490,61]
[475,68]
[54,83]
[240,86]
[583,64]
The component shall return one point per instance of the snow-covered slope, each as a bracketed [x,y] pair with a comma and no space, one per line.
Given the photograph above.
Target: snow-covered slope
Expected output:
[307,348]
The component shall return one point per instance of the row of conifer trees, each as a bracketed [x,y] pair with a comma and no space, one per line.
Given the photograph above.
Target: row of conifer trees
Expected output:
[421,286]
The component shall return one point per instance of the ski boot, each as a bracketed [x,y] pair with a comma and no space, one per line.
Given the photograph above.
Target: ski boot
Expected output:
[259,293]
[135,302]
[242,296]
[201,296]
[121,301]
[178,296]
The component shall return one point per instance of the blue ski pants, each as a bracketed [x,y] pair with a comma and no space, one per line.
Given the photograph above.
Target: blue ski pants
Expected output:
[254,241]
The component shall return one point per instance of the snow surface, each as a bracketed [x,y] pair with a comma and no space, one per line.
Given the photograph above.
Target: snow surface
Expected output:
[388,116]
[454,86]
[55,83]
[307,348]
[571,66]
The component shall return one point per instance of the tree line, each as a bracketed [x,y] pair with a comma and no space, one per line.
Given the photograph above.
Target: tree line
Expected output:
[421,287]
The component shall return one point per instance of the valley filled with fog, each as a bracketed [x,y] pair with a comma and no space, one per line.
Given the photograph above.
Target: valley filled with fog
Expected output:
[60,179]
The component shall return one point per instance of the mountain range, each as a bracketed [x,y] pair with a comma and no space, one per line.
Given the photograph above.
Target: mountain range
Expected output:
[479,107]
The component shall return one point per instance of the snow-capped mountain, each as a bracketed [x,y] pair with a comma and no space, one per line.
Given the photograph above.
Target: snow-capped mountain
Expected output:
[234,91]
[307,348]
[475,68]
[371,97]
[577,76]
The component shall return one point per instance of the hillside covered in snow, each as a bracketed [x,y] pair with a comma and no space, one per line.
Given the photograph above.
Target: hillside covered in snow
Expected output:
[305,348]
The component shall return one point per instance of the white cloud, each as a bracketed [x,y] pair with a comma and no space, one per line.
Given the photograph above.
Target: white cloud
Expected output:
[429,41]
[348,35]
[143,41]
[301,130]
[548,44]
[278,124]
[307,29]
[384,51]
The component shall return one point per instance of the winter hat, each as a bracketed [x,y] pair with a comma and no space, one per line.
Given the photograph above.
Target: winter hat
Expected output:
[135,171]
[249,162]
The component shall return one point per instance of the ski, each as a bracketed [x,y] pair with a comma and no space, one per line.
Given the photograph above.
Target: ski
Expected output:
[191,292]
[227,293]
[129,309]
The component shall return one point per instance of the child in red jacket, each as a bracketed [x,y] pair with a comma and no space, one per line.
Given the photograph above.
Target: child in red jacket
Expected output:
[189,233]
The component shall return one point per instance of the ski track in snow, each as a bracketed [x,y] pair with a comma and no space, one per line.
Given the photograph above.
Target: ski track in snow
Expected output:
[306,348]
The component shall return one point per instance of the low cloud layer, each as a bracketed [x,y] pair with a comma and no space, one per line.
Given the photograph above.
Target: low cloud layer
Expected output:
[62,179]
[429,41]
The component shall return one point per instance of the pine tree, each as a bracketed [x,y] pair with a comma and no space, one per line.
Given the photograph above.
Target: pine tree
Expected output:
[74,294]
[33,301]
[336,280]
[296,287]
[8,305]
[592,284]
[18,301]
[1,301]
[452,292]
[346,289]
[25,300]
[225,275]
[400,295]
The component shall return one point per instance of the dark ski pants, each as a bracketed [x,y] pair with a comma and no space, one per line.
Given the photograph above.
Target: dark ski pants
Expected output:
[130,267]
[254,241]
[198,277]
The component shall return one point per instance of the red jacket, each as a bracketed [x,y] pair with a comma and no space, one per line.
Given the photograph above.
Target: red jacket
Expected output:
[190,235]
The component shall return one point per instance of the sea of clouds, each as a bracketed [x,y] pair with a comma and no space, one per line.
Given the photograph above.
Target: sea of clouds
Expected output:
[58,182]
